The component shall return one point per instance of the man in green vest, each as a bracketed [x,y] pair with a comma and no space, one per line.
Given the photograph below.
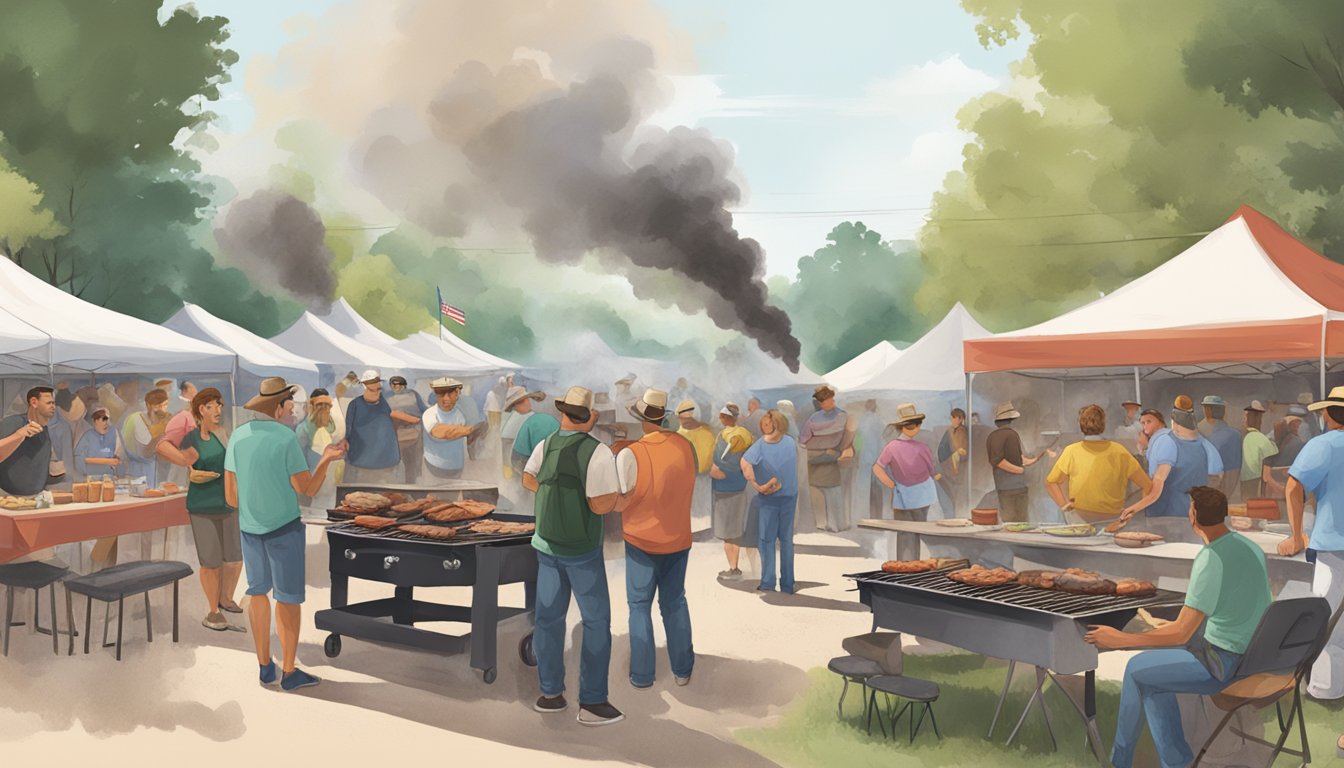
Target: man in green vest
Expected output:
[574,478]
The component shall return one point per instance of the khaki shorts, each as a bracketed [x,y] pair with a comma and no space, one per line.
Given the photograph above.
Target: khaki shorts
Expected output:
[217,539]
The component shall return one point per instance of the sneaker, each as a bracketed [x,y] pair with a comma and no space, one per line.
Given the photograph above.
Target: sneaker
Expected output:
[215,621]
[599,714]
[683,681]
[763,588]
[731,573]
[298,679]
[638,686]
[269,674]
[231,607]
[549,704]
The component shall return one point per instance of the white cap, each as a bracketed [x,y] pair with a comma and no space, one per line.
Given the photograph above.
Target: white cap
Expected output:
[371,375]
[445,382]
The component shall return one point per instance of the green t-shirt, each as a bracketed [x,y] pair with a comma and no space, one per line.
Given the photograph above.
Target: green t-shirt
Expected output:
[206,498]
[1230,586]
[1255,448]
[264,454]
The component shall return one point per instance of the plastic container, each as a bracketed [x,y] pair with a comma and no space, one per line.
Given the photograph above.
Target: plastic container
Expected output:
[109,489]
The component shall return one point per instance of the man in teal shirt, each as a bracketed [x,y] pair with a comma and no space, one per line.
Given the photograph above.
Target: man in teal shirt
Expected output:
[1229,587]
[264,474]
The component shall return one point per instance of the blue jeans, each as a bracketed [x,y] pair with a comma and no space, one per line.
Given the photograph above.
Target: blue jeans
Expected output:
[1152,680]
[777,524]
[274,562]
[666,575]
[584,576]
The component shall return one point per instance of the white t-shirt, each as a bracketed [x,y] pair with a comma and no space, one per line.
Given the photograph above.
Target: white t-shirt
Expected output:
[601,477]
[627,469]
[492,404]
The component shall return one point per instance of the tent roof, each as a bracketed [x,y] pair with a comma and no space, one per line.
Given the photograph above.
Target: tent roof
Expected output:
[319,342]
[448,357]
[454,348]
[866,365]
[346,321]
[932,364]
[255,354]
[1248,291]
[88,337]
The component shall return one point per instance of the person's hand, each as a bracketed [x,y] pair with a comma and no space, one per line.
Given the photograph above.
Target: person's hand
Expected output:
[202,476]
[334,452]
[717,473]
[1068,507]
[31,429]
[191,455]
[1051,453]
[1129,512]
[1105,637]
[1292,545]
[961,451]
[115,461]
[847,454]
[1152,620]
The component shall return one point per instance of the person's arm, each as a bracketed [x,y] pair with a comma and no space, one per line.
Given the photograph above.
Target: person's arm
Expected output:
[1140,478]
[618,479]
[230,489]
[307,483]
[1010,467]
[533,467]
[404,418]
[9,444]
[1056,491]
[1154,492]
[1297,500]
[882,477]
[174,455]
[627,475]
[1169,635]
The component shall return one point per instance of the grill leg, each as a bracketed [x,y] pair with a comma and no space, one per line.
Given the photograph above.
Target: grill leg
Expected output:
[1090,713]
[55,634]
[1007,679]
[88,622]
[149,620]
[1035,694]
[1041,679]
[403,609]
[485,608]
[340,590]
[70,620]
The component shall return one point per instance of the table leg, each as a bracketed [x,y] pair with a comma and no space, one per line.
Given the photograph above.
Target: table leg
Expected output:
[9,614]
[55,627]
[907,545]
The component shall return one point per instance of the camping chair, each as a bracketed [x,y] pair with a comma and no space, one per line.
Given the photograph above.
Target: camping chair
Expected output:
[1290,636]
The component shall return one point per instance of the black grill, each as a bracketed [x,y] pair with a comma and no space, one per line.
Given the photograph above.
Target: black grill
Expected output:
[464,537]
[1049,601]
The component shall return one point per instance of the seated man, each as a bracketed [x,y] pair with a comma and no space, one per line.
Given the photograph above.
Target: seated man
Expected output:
[1229,587]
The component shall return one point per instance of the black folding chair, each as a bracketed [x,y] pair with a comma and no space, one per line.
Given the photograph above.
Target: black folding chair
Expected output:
[1290,636]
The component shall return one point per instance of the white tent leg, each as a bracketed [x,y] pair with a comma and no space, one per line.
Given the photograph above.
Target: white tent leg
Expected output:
[1324,323]
[1138,395]
[970,445]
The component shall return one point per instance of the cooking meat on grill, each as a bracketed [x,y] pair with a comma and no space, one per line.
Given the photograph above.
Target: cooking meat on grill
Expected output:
[459,510]
[430,531]
[501,527]
[1084,583]
[360,500]
[1038,579]
[373,521]
[908,566]
[1135,588]
[396,498]
[980,576]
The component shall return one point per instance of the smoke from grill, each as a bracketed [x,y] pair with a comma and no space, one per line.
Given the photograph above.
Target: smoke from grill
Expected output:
[573,165]
[280,237]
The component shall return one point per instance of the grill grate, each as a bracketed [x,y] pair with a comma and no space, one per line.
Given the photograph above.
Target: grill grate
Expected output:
[463,537]
[1044,600]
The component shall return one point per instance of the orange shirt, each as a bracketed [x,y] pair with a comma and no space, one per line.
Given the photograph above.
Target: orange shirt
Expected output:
[658,517]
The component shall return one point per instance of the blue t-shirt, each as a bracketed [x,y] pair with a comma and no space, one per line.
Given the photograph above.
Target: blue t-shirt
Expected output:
[1191,462]
[372,435]
[448,455]
[264,455]
[1320,470]
[538,427]
[770,460]
[1227,441]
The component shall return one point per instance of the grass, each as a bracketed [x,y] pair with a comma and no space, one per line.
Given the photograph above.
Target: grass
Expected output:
[811,736]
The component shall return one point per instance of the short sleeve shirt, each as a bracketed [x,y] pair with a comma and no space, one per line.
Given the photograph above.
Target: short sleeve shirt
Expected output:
[25,471]
[372,435]
[599,479]
[1319,467]
[1098,472]
[1227,441]
[1004,443]
[448,455]
[775,460]
[264,454]
[1230,586]
[1255,448]
[533,431]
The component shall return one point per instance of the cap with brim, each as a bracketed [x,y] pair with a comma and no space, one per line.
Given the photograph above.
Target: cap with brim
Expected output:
[686,408]
[93,416]
[628,378]
[269,395]
[1255,407]
[1212,400]
[395,380]
[907,413]
[445,383]
[1131,402]
[651,407]
[1336,397]
[1006,411]
[370,376]
[517,395]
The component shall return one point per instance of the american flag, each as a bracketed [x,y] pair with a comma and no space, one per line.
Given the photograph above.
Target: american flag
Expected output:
[452,312]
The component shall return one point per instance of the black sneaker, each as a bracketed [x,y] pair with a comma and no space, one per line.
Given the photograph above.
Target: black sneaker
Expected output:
[599,714]
[548,704]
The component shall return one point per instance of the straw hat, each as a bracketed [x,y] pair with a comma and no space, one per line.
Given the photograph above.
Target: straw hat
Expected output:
[445,382]
[272,391]
[1005,410]
[905,414]
[1336,397]
[576,404]
[517,395]
[1256,406]
[651,406]
[687,408]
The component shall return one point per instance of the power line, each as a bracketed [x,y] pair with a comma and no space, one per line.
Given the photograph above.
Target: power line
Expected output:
[1109,242]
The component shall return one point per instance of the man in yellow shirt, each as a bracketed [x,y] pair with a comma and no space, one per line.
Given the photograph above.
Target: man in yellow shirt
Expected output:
[702,439]
[1098,472]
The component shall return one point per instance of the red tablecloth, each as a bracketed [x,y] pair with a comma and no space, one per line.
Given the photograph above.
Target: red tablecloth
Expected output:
[28,530]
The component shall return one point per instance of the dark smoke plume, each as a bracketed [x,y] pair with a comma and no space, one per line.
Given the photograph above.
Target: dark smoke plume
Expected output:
[279,237]
[582,174]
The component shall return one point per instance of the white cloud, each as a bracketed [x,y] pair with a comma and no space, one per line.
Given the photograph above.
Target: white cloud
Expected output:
[934,86]
[697,97]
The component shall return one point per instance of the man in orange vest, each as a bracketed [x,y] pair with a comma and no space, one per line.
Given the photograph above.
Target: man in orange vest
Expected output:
[657,480]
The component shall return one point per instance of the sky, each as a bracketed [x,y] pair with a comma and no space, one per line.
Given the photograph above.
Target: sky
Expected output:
[837,112]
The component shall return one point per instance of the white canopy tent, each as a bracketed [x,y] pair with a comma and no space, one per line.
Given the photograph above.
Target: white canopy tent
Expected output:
[345,320]
[472,352]
[932,364]
[86,337]
[257,356]
[20,345]
[451,358]
[313,339]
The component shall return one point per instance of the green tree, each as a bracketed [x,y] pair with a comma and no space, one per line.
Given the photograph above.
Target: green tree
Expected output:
[1102,162]
[100,99]
[852,293]
[22,216]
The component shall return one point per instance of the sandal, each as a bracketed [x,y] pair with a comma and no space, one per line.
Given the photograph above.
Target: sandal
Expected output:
[231,607]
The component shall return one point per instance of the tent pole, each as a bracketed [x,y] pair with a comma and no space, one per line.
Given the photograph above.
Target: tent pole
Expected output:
[1138,396]
[1324,324]
[970,445]
[233,395]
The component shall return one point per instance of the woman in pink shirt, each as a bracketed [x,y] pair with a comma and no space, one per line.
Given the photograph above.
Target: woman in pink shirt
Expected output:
[908,469]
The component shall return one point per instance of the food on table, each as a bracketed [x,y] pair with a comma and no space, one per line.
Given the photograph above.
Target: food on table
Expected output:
[1240,523]
[984,516]
[394,497]
[501,527]
[62,497]
[954,522]
[980,576]
[80,493]
[1084,582]
[1019,527]
[414,506]
[1264,509]
[1038,579]
[373,521]
[17,502]
[1137,538]
[459,510]
[170,487]
[441,532]
[1115,526]
[109,489]
[1135,588]
[154,493]
[1082,529]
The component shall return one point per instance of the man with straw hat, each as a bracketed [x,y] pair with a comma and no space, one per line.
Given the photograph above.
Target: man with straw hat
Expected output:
[264,475]
[1009,464]
[907,468]
[701,438]
[574,478]
[1256,447]
[657,476]
[530,427]
[1318,470]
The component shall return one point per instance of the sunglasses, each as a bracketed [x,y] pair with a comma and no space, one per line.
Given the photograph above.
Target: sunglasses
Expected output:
[101,418]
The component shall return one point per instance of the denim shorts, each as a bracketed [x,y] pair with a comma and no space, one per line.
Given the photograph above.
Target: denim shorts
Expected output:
[275,561]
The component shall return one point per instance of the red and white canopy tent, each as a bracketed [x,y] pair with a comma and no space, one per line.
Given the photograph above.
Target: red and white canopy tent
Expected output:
[1247,294]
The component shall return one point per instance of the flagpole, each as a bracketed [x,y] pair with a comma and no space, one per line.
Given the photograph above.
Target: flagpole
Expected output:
[440,313]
